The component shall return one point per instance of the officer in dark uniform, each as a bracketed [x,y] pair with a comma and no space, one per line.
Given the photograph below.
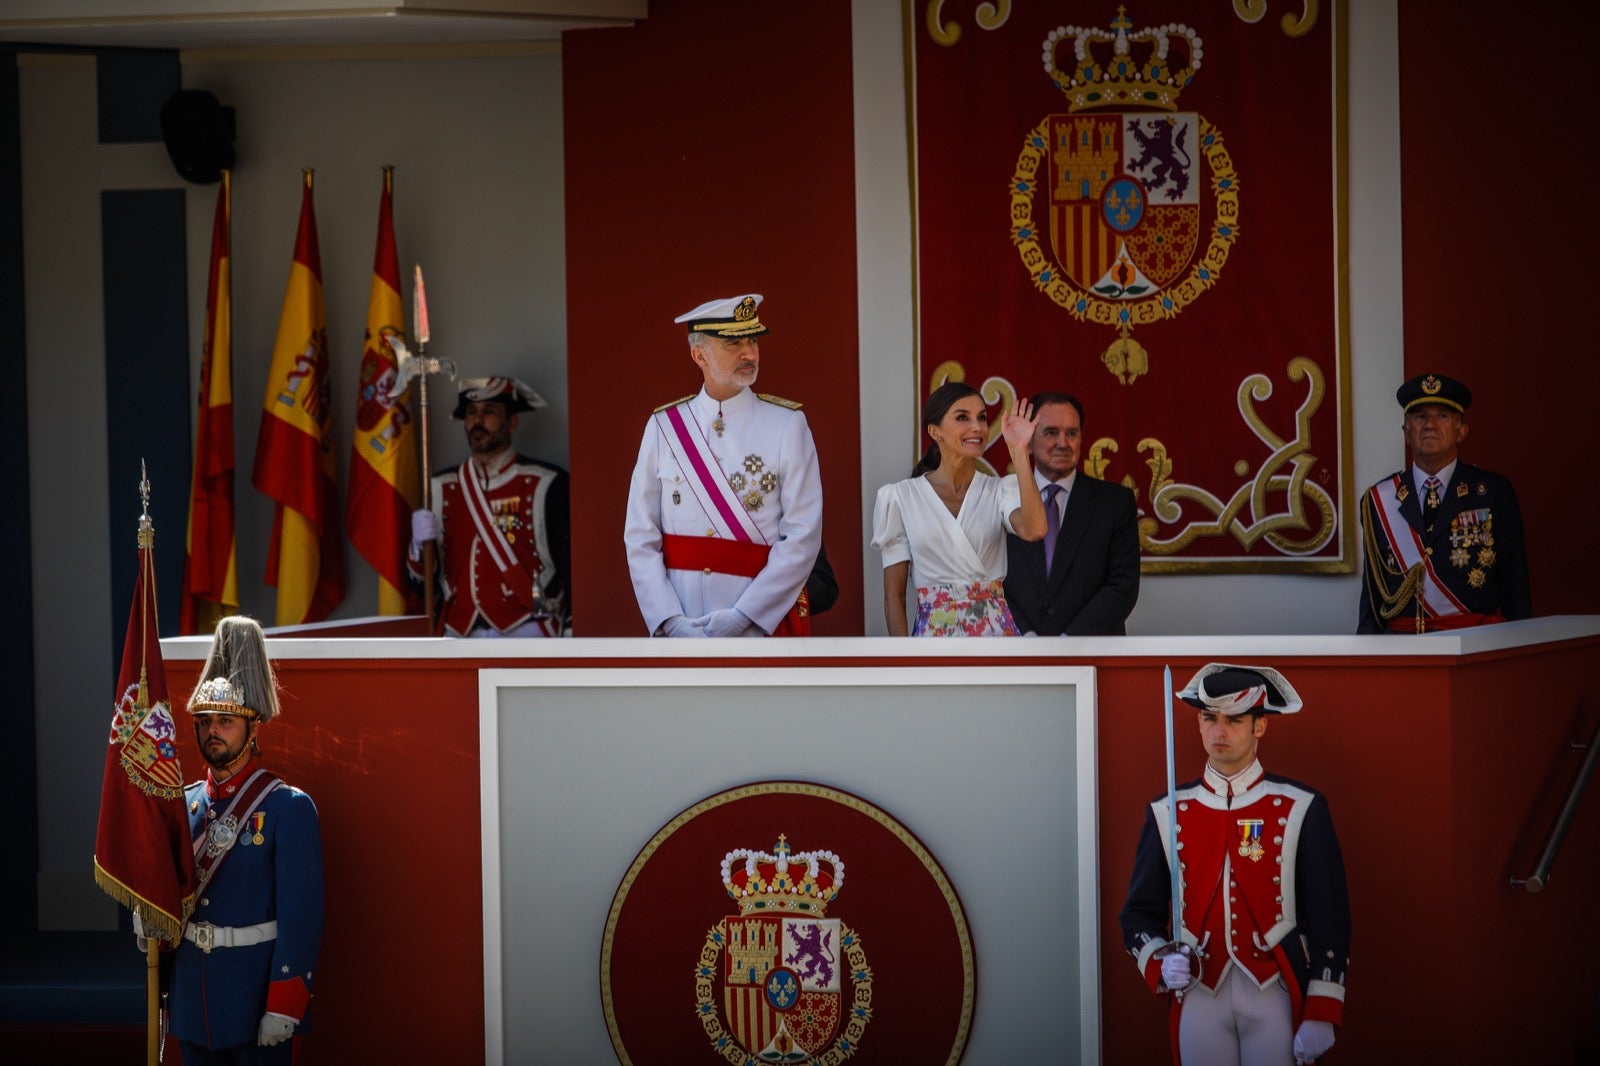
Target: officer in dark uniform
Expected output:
[1442,540]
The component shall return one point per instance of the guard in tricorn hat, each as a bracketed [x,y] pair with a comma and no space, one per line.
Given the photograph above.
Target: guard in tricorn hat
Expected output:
[1264,905]
[503,523]
[724,516]
[1442,541]
[244,970]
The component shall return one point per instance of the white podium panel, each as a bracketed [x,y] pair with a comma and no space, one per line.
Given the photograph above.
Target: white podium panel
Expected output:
[992,768]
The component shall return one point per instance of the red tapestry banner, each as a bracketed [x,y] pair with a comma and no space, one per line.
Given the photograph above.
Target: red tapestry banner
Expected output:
[1144,206]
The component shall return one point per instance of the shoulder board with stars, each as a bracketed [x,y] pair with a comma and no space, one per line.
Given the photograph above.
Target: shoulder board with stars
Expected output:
[674,403]
[792,405]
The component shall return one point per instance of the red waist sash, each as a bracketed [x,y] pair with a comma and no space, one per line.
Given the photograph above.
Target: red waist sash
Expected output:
[736,557]
[1448,621]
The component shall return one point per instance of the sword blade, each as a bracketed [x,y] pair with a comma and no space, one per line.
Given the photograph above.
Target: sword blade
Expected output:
[1172,811]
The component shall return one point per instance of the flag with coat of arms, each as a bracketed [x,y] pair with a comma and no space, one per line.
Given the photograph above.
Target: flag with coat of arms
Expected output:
[385,482]
[143,857]
[294,448]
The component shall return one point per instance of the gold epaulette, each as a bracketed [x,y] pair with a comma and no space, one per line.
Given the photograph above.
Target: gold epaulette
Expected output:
[674,403]
[780,401]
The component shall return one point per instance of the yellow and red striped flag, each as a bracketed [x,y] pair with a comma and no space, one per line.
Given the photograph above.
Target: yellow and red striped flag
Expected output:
[385,484]
[210,572]
[142,853]
[294,451]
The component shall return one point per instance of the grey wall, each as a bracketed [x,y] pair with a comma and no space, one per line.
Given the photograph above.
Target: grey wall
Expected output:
[476,142]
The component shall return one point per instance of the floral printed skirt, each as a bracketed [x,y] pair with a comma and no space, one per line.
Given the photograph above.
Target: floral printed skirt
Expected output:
[978,610]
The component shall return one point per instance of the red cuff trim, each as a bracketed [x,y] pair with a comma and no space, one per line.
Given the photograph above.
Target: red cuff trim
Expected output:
[1152,975]
[290,997]
[1324,1009]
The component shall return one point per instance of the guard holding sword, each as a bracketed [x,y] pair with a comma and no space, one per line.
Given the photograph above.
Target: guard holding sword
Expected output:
[1258,895]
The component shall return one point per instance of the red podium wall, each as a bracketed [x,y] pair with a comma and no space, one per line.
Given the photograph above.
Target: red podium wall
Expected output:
[1445,760]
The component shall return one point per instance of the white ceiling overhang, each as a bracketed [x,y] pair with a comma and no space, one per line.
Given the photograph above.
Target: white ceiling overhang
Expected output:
[212,24]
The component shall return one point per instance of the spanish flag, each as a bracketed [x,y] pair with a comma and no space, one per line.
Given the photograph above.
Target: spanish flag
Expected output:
[385,485]
[210,572]
[294,451]
[142,852]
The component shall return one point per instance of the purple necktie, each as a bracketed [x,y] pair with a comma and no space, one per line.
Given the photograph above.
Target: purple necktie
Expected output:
[1052,524]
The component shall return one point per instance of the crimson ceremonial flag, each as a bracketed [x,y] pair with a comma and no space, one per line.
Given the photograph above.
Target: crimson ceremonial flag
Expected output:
[142,852]
[210,572]
[385,483]
[294,451]
[1143,205]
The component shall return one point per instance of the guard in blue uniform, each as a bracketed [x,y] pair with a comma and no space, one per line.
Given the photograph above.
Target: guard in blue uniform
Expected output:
[1442,541]
[244,970]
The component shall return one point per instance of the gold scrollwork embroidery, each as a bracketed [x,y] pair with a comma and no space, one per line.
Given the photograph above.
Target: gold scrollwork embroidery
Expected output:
[1256,10]
[1259,493]
[988,16]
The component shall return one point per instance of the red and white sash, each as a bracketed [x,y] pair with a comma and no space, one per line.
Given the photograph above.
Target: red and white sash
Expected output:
[705,477]
[1437,600]
[493,538]
[207,860]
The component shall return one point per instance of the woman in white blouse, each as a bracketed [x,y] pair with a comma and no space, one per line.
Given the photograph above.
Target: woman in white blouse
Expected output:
[945,526]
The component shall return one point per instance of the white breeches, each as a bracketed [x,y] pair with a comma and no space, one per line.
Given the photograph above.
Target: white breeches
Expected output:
[1240,1025]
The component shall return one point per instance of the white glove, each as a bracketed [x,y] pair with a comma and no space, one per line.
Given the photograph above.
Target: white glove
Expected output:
[138,934]
[1312,1041]
[1175,970]
[728,622]
[679,626]
[275,1029]
[424,526]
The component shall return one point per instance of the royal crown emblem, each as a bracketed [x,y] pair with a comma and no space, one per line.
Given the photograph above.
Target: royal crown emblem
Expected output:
[149,740]
[1124,208]
[783,966]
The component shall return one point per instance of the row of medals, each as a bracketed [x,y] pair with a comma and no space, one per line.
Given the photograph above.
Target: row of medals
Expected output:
[220,834]
[759,481]
[1467,531]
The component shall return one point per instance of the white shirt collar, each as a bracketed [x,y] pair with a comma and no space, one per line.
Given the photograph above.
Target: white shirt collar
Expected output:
[1418,476]
[1240,782]
[740,401]
[1066,483]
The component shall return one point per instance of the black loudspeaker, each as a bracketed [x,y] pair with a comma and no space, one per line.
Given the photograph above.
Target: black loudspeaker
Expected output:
[199,135]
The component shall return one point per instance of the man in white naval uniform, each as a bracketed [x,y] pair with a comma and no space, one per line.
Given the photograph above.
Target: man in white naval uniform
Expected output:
[725,506]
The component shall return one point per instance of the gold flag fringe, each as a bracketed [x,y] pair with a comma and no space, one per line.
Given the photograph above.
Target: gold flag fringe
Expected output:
[157,922]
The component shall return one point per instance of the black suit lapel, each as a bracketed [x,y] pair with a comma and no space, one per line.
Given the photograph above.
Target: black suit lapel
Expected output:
[1411,505]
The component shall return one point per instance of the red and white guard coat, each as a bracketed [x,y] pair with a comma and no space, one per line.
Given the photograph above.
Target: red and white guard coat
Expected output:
[1263,888]
[531,508]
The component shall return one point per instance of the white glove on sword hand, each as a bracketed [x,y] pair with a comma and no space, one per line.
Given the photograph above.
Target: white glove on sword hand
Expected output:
[1175,970]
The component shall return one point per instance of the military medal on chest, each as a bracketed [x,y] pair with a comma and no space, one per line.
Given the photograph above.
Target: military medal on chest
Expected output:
[754,483]
[1469,530]
[221,835]
[1250,839]
[508,516]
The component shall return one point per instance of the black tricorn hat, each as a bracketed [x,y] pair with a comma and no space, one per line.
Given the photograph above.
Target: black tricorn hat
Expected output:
[1224,688]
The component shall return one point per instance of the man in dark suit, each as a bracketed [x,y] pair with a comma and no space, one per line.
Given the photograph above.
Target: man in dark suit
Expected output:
[1442,540]
[1082,579]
